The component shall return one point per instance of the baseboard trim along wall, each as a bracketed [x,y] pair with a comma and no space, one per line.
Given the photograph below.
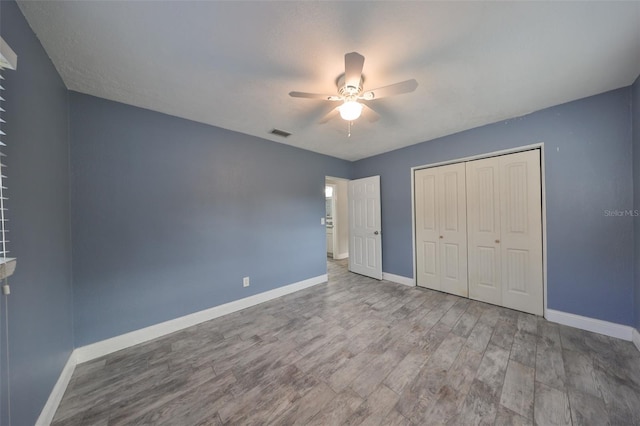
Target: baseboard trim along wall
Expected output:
[50,407]
[105,347]
[340,256]
[611,329]
[399,279]
[636,338]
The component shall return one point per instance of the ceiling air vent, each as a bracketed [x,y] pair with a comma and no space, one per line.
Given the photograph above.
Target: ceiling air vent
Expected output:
[281,133]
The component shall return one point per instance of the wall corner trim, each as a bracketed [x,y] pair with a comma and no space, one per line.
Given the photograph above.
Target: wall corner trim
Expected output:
[636,338]
[105,347]
[399,279]
[607,328]
[50,407]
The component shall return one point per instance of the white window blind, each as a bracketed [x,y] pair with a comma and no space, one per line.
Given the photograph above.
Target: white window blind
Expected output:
[8,60]
[4,250]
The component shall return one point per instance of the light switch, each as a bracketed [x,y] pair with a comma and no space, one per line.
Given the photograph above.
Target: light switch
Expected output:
[322,221]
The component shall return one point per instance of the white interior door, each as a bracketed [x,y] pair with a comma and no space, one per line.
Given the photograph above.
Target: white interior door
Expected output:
[427,228]
[505,231]
[441,228]
[483,215]
[453,231]
[521,229]
[365,233]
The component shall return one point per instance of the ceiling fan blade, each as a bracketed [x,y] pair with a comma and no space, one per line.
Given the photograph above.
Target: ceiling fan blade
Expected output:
[315,96]
[370,114]
[353,63]
[391,90]
[331,115]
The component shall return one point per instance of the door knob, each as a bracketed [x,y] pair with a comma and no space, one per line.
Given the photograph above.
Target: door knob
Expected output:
[375,232]
[497,241]
[441,236]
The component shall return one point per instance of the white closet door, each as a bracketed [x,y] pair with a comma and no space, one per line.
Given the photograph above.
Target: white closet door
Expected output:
[505,231]
[521,226]
[483,214]
[427,230]
[441,229]
[453,231]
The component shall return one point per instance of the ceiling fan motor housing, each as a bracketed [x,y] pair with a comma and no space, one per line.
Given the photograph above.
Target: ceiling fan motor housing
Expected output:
[349,90]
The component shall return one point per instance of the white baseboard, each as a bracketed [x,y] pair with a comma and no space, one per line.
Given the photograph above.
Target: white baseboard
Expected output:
[399,279]
[105,347]
[50,407]
[635,337]
[340,256]
[611,329]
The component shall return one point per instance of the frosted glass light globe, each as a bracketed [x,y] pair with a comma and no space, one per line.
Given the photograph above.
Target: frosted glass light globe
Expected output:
[350,110]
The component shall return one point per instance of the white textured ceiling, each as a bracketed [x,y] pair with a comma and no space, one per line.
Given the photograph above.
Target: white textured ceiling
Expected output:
[232,64]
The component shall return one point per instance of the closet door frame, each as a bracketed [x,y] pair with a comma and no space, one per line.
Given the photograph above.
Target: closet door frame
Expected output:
[539,146]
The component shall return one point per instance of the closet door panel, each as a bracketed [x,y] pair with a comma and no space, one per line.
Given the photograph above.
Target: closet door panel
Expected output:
[483,215]
[441,229]
[521,225]
[453,230]
[427,233]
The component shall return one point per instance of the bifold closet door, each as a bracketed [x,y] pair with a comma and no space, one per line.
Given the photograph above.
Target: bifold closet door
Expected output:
[441,229]
[504,215]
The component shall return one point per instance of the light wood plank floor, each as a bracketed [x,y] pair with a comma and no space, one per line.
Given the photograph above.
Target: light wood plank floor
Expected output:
[359,351]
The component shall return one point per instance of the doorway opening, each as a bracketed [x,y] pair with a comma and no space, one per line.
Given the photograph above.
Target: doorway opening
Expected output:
[337,218]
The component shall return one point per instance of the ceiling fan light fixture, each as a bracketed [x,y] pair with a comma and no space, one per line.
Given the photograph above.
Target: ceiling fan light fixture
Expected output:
[350,110]
[350,90]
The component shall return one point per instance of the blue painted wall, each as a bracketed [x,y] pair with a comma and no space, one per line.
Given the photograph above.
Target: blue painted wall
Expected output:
[588,170]
[168,215]
[635,103]
[40,304]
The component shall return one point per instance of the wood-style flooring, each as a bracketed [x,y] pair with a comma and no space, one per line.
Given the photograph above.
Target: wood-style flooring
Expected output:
[360,351]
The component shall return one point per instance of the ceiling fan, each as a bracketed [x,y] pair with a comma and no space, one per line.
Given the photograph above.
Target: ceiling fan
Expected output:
[351,93]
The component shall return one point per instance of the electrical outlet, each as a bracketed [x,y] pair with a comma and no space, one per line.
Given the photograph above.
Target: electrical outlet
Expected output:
[245,282]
